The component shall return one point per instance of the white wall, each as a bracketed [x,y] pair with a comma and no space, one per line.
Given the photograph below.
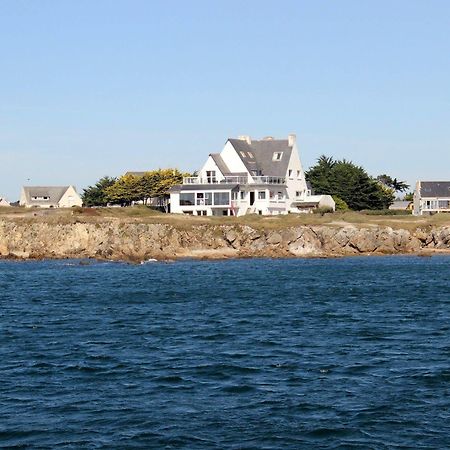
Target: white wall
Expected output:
[70,198]
[175,203]
[211,165]
[232,160]
[295,183]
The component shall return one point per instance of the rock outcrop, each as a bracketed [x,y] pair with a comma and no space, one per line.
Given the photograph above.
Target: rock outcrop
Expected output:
[138,241]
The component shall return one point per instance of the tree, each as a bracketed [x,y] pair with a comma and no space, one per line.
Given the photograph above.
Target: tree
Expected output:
[409,197]
[96,195]
[164,179]
[125,190]
[152,184]
[393,183]
[349,182]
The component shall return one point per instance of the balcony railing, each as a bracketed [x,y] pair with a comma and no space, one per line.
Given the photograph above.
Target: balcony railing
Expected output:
[234,180]
[269,180]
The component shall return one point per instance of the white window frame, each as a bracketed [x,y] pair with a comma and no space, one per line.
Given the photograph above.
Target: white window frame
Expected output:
[277,156]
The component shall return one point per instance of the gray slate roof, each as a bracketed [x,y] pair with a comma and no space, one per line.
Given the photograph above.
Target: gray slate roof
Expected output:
[263,156]
[54,192]
[220,163]
[435,189]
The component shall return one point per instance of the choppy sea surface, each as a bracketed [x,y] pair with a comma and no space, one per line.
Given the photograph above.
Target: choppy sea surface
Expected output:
[244,354]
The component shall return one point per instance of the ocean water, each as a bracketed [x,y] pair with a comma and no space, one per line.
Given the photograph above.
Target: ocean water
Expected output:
[246,354]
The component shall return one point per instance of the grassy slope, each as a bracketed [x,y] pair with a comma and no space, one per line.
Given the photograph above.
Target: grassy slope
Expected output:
[146,215]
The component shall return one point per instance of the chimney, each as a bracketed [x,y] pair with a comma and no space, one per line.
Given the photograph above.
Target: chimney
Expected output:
[247,139]
[291,140]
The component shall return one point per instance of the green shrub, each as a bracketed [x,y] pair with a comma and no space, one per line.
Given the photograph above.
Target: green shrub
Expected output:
[323,210]
[341,205]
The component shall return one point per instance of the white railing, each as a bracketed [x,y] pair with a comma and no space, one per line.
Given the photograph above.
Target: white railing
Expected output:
[214,180]
[234,180]
[269,180]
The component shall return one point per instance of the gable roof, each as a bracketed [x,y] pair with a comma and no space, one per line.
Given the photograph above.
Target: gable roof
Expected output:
[4,202]
[54,193]
[435,189]
[220,163]
[263,152]
[135,174]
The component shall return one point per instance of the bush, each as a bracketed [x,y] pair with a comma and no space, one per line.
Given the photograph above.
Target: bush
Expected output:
[341,205]
[323,210]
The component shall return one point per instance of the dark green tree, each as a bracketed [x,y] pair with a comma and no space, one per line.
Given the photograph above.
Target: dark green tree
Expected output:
[349,182]
[96,195]
[393,183]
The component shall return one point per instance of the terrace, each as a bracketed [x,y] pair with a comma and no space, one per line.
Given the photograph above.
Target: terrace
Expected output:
[235,180]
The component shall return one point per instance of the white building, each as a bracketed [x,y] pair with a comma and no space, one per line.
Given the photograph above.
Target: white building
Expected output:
[4,202]
[431,197]
[249,176]
[50,197]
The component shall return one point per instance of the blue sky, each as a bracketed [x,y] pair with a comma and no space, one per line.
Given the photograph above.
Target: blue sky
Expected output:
[92,88]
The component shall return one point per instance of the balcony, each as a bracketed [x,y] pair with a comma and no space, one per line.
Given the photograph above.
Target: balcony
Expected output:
[235,180]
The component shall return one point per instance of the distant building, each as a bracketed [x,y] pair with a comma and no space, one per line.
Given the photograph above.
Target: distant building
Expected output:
[134,174]
[50,197]
[431,197]
[4,202]
[401,205]
[249,177]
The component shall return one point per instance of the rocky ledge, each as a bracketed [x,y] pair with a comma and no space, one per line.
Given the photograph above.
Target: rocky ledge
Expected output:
[135,241]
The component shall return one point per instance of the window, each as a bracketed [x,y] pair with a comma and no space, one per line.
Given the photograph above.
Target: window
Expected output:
[271,194]
[277,156]
[243,154]
[242,195]
[201,213]
[211,176]
[298,193]
[204,198]
[37,197]
[187,199]
[290,173]
[261,195]
[250,155]
[221,198]
[280,196]
[298,174]
[234,196]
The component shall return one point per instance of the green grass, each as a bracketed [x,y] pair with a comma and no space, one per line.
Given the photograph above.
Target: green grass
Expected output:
[146,215]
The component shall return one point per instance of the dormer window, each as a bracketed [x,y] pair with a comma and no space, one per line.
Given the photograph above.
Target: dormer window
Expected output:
[277,156]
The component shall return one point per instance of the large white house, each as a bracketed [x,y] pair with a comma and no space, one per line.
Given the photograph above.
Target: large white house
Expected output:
[249,177]
[50,197]
[431,197]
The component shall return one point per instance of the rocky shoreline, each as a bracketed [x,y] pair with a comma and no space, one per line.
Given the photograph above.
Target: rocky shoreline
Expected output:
[137,241]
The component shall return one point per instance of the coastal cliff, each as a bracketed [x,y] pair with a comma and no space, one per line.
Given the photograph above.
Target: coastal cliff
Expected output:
[139,241]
